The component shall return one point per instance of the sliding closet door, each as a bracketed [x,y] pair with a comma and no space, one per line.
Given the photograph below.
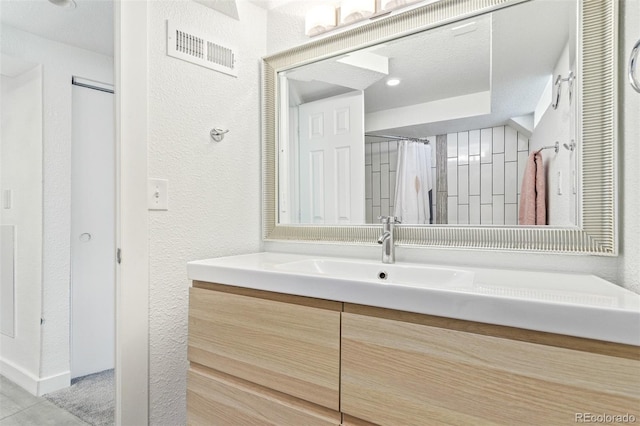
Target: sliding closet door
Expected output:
[92,232]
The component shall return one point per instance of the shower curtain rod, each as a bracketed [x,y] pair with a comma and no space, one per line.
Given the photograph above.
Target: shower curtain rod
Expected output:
[400,138]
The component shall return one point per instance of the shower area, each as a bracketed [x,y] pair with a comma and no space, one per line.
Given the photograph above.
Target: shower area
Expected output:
[475,176]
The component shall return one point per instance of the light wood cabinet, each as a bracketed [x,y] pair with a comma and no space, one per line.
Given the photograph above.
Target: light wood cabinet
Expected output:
[217,399]
[261,358]
[399,372]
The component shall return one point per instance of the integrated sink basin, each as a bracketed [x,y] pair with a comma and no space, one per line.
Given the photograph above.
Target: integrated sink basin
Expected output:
[401,274]
[572,304]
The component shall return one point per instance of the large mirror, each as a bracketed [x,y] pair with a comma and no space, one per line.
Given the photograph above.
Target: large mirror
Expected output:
[470,126]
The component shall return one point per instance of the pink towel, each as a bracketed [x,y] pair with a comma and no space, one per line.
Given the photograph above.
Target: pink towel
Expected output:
[533,208]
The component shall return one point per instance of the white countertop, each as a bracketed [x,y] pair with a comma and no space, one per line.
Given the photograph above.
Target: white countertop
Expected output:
[579,305]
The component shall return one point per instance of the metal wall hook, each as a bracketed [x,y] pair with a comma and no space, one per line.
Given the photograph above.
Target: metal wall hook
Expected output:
[217,134]
[558,88]
[570,147]
[633,65]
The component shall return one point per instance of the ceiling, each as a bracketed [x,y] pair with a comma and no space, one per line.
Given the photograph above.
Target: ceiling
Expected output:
[88,26]
[510,53]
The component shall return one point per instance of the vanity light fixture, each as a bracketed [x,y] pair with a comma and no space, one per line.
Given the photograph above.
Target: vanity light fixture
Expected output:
[393,4]
[355,10]
[393,82]
[335,14]
[320,19]
[67,4]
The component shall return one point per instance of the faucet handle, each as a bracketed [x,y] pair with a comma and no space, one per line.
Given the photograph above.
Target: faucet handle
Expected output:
[389,219]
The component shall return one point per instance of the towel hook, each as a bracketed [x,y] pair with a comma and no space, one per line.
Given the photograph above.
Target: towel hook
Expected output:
[558,88]
[217,134]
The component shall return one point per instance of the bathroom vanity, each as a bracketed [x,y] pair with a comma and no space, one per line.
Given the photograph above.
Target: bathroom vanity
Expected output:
[287,339]
[282,339]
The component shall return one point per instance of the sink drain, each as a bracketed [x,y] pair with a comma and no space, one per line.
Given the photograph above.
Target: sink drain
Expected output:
[382,275]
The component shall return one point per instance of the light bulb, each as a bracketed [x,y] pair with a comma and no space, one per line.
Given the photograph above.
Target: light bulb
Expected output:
[355,10]
[320,19]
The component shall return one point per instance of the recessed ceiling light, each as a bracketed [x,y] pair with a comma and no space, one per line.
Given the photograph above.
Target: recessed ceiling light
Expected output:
[67,4]
[393,82]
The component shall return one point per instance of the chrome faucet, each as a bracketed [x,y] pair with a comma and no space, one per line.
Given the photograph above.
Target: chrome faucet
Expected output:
[386,239]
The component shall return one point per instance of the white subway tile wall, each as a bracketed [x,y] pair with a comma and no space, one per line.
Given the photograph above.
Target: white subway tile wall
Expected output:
[463,184]
[452,210]
[486,183]
[484,175]
[452,175]
[474,210]
[490,164]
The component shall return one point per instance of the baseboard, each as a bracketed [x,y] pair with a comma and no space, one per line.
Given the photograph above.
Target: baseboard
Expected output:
[54,383]
[32,384]
[19,376]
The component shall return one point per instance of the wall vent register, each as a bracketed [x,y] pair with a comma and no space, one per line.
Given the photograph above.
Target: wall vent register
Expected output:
[191,47]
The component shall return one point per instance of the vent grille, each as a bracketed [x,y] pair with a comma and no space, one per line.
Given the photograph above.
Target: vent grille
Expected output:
[188,46]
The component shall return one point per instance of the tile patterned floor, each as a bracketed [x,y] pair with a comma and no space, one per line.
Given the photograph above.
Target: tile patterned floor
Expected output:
[19,408]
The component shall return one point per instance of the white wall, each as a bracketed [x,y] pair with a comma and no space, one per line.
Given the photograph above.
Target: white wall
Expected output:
[284,31]
[60,62]
[214,188]
[21,169]
[559,125]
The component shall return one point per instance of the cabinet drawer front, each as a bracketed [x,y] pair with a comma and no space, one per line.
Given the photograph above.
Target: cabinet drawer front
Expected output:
[216,400]
[290,348]
[397,373]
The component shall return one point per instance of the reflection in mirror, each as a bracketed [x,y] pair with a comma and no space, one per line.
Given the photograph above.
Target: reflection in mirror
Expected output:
[439,127]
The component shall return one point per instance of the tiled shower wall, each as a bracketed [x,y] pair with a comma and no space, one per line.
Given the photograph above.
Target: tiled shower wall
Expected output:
[484,174]
[381,158]
[483,179]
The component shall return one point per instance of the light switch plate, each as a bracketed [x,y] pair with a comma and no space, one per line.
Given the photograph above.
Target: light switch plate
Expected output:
[158,194]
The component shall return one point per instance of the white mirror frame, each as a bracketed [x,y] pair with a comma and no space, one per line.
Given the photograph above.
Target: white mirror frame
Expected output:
[597,46]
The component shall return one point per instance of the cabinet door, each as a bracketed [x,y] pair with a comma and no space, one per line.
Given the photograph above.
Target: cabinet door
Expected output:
[400,373]
[215,399]
[287,347]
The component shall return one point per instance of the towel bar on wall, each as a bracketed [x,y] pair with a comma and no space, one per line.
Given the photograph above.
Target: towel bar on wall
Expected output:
[633,65]
[555,147]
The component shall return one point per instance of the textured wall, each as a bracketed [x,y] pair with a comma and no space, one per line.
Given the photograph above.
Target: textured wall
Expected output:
[284,32]
[214,188]
[60,63]
[629,151]
[21,172]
